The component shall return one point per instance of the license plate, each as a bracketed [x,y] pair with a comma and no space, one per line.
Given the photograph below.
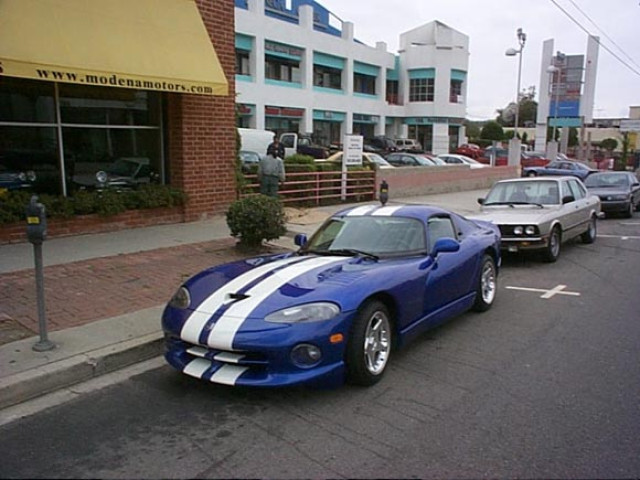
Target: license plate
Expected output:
[3,191]
[513,248]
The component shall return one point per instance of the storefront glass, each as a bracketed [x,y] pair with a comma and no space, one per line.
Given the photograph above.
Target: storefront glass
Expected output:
[100,129]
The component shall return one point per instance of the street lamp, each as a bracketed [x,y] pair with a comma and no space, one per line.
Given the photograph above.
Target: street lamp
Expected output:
[511,52]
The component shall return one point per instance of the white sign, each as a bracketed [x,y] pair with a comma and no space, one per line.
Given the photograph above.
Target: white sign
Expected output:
[352,150]
[630,125]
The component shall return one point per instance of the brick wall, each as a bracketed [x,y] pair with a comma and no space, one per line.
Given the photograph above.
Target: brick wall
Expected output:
[201,129]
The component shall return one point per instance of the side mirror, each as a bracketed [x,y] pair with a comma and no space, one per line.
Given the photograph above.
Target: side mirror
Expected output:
[481,201]
[300,239]
[445,245]
[568,199]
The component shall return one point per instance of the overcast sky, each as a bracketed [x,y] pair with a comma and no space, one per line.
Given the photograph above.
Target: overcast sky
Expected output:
[491,26]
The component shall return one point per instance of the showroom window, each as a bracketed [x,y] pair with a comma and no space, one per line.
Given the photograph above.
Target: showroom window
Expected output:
[421,90]
[282,63]
[100,129]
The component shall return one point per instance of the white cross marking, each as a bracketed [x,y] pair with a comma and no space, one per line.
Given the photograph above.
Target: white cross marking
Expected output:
[558,290]
[622,237]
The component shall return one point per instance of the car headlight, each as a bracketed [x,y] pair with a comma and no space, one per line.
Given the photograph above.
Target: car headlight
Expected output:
[530,230]
[181,299]
[311,312]
[518,230]
[31,176]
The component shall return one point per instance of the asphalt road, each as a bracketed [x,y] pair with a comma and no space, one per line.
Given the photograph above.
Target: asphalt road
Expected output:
[544,385]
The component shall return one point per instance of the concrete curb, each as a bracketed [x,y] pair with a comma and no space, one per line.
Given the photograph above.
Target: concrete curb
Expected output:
[33,383]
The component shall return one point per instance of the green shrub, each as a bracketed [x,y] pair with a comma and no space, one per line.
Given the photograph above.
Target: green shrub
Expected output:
[83,202]
[256,218]
[299,159]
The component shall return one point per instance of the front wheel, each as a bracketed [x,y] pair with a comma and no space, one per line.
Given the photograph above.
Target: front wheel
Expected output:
[590,235]
[531,174]
[487,285]
[552,251]
[369,344]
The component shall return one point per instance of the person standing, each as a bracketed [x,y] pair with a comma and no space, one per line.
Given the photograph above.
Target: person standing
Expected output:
[271,172]
[275,148]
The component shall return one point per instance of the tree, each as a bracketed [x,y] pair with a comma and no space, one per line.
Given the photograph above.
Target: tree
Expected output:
[492,131]
[609,144]
[527,110]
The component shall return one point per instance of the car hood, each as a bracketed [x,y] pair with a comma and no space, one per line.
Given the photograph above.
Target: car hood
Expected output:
[518,214]
[272,283]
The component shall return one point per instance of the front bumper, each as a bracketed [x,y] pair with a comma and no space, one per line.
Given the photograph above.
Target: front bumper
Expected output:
[517,244]
[262,358]
[614,206]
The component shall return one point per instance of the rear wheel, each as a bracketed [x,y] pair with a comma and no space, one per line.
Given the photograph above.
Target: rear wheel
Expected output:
[590,235]
[487,285]
[552,252]
[369,344]
[531,174]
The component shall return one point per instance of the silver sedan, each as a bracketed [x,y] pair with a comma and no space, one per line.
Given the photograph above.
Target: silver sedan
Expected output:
[541,213]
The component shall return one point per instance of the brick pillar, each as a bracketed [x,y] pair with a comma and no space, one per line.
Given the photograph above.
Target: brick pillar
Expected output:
[201,129]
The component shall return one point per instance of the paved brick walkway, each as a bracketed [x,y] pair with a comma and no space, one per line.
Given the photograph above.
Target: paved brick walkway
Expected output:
[81,292]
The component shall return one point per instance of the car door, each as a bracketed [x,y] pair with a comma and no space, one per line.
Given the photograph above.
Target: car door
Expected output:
[579,209]
[447,280]
[554,168]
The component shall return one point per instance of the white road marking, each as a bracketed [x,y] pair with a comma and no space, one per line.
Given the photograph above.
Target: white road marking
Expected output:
[546,294]
[622,237]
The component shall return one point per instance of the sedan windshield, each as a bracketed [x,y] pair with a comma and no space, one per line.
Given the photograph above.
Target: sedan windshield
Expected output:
[607,180]
[524,193]
[369,235]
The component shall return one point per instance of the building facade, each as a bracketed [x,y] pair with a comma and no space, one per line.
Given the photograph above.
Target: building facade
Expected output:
[143,88]
[300,69]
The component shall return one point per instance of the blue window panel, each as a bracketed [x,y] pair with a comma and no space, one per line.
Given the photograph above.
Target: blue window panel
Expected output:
[280,83]
[329,116]
[326,60]
[244,42]
[366,69]
[244,78]
[334,91]
[458,75]
[422,73]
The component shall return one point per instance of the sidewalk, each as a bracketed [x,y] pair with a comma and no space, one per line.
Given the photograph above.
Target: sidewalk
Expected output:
[104,294]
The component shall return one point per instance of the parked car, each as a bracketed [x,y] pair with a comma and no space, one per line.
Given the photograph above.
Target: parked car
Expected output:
[368,159]
[619,192]
[470,150]
[381,145]
[368,281]
[455,159]
[560,167]
[295,143]
[10,180]
[541,213]
[528,158]
[408,145]
[124,173]
[405,159]
[532,158]
[249,159]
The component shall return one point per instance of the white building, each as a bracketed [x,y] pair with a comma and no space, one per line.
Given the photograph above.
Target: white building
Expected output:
[300,69]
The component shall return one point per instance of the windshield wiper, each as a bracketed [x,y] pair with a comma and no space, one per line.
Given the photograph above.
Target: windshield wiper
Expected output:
[353,252]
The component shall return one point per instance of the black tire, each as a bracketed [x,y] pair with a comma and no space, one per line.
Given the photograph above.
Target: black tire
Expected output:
[369,345]
[487,285]
[590,235]
[552,252]
[532,174]
[629,211]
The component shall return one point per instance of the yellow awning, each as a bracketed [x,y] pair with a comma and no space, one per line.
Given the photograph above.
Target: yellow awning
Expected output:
[144,44]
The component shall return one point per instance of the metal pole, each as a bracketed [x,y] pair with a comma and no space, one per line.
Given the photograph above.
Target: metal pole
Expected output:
[515,127]
[555,110]
[44,344]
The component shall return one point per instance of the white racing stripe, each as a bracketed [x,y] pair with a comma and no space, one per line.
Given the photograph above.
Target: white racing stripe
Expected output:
[385,211]
[197,367]
[199,317]
[228,374]
[361,210]
[224,331]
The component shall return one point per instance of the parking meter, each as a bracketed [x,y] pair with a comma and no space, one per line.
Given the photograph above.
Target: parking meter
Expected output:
[36,234]
[36,221]
[384,192]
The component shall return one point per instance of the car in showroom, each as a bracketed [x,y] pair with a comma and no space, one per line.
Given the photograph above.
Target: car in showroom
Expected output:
[540,214]
[456,159]
[367,282]
[619,192]
[406,159]
[369,159]
[560,167]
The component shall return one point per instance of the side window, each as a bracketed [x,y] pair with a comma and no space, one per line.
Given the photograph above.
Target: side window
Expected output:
[287,141]
[566,191]
[437,228]
[408,160]
[577,190]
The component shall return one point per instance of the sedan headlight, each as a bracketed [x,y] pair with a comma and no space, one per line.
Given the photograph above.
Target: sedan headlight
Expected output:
[518,230]
[181,299]
[526,229]
[619,197]
[530,230]
[311,312]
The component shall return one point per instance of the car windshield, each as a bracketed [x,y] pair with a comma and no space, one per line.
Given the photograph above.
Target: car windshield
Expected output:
[607,180]
[523,193]
[369,234]
[123,167]
[249,157]
[424,161]
[375,158]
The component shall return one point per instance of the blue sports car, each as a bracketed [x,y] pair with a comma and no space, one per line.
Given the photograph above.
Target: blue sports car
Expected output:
[368,281]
